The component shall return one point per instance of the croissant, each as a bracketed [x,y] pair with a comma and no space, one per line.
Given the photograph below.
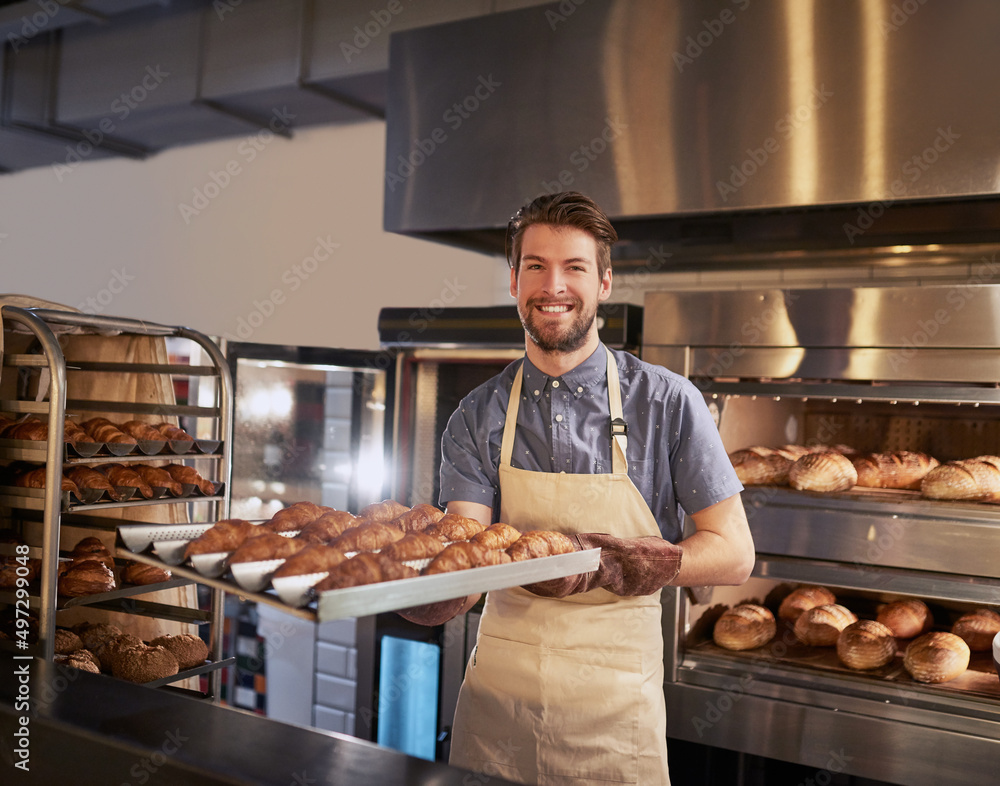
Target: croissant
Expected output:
[383,511]
[825,471]
[314,558]
[294,517]
[976,479]
[497,536]
[226,535]
[367,537]
[141,573]
[35,479]
[120,475]
[453,527]
[157,477]
[103,430]
[417,518]
[184,474]
[362,569]
[87,478]
[269,545]
[463,555]
[173,433]
[32,428]
[540,543]
[87,577]
[72,432]
[327,527]
[141,430]
[414,546]
[902,469]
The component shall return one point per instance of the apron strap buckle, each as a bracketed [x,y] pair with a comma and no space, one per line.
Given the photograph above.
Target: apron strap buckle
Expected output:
[619,428]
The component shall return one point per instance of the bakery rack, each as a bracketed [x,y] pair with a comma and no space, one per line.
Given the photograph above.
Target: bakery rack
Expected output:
[55,509]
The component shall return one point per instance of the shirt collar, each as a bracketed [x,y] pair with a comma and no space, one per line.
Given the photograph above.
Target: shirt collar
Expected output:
[577,381]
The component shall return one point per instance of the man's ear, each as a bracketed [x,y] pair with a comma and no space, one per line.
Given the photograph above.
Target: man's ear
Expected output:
[513,283]
[605,291]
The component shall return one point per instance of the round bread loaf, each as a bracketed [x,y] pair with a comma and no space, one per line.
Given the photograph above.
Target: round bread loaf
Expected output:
[83,660]
[977,629]
[866,644]
[825,471]
[906,618]
[189,649]
[95,635]
[803,599]
[936,657]
[66,641]
[144,664]
[820,626]
[114,647]
[744,627]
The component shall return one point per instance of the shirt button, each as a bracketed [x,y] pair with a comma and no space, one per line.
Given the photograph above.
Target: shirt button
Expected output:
[555,383]
[558,418]
[536,392]
[579,390]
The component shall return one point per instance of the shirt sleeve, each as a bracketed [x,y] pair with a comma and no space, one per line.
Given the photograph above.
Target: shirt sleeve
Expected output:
[702,472]
[467,474]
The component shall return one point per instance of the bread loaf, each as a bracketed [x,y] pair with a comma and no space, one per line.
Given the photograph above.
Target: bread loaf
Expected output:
[744,627]
[824,472]
[902,469]
[976,479]
[820,626]
[803,599]
[906,618]
[936,657]
[145,664]
[866,644]
[978,629]
[189,649]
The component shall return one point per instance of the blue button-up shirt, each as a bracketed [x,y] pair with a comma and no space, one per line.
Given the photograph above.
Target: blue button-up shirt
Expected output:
[675,455]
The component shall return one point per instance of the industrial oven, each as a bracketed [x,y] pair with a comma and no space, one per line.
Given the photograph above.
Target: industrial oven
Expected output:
[876,369]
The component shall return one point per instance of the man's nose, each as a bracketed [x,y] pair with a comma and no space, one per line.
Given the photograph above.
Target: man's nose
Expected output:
[555,282]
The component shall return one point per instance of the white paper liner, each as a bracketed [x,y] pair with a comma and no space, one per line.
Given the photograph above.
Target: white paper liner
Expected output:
[295,590]
[212,564]
[254,576]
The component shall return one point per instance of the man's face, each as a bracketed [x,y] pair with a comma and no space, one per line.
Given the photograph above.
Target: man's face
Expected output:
[558,287]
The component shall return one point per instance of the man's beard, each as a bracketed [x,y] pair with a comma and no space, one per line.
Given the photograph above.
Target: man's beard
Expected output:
[552,339]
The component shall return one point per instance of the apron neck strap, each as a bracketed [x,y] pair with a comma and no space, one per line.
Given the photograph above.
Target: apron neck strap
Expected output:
[619,442]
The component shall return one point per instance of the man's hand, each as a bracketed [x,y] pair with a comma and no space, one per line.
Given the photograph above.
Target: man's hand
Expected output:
[629,567]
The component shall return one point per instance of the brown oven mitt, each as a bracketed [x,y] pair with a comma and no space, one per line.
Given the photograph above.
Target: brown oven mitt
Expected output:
[440,612]
[629,566]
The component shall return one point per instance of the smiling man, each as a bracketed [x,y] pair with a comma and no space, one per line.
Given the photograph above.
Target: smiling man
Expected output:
[566,681]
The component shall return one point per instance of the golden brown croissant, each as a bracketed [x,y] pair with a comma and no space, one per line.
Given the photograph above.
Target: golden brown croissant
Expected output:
[30,428]
[453,527]
[294,517]
[184,474]
[158,477]
[314,558]
[141,573]
[120,475]
[269,545]
[539,543]
[87,478]
[463,555]
[902,469]
[414,546]
[367,537]
[173,433]
[73,433]
[86,577]
[497,536]
[418,518]
[226,535]
[103,430]
[383,511]
[328,527]
[365,568]
[976,479]
[141,430]
[35,479]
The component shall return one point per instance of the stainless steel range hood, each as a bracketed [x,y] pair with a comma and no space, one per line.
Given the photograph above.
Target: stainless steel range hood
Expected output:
[764,125]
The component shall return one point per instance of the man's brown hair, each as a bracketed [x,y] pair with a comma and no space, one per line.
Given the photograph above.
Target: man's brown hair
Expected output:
[565,209]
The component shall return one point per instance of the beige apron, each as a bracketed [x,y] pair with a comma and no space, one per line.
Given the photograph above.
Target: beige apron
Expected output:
[567,691]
